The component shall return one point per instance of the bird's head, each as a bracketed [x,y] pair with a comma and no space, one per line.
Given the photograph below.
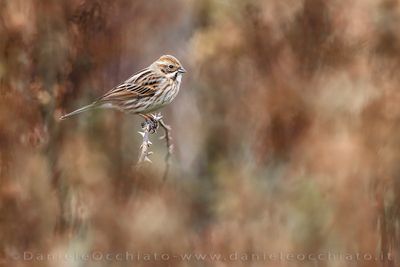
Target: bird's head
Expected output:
[169,66]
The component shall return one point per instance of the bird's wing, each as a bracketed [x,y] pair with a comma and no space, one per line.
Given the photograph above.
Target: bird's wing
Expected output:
[143,84]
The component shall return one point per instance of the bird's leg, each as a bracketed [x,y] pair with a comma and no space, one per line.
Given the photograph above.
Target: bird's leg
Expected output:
[146,118]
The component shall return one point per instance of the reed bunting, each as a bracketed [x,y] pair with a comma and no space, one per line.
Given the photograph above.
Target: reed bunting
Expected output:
[144,92]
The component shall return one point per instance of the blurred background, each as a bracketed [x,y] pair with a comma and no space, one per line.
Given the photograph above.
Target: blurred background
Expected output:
[286,132]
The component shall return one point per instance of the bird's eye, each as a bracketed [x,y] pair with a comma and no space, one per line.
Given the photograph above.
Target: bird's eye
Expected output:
[171,66]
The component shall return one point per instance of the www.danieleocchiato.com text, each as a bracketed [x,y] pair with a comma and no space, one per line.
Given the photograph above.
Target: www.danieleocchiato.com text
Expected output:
[233,256]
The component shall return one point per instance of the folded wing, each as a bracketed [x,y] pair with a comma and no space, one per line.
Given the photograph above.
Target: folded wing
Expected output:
[144,84]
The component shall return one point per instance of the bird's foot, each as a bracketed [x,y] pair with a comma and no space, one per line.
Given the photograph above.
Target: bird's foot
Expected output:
[152,121]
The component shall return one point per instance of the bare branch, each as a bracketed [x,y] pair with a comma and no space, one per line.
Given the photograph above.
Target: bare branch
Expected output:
[149,126]
[144,148]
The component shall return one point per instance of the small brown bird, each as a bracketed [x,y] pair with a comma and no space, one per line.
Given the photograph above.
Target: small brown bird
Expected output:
[145,91]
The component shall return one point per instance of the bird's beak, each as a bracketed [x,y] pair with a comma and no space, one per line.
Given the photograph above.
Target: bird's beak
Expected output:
[181,70]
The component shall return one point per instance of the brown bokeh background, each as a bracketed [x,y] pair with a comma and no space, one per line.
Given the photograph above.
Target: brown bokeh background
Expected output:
[286,131]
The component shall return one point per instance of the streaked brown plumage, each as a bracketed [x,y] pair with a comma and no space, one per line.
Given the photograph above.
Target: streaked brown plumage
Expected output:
[145,91]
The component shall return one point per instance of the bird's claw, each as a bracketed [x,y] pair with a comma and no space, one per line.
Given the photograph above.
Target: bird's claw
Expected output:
[152,122]
[153,126]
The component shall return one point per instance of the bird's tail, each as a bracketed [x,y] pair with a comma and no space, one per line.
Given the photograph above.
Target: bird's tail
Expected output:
[78,111]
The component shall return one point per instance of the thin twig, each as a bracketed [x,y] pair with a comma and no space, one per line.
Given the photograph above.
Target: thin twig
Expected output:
[170,147]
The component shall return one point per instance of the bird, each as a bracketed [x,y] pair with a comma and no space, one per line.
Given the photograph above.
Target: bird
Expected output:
[144,92]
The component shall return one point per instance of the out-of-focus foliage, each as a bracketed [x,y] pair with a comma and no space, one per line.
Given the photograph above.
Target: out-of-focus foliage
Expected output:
[286,130]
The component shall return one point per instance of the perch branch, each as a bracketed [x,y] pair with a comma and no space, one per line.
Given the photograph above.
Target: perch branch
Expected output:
[144,148]
[149,126]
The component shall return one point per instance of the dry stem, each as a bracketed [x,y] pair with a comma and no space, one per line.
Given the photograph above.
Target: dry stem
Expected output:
[150,126]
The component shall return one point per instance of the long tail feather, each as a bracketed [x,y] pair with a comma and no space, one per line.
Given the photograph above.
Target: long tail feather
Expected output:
[78,111]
